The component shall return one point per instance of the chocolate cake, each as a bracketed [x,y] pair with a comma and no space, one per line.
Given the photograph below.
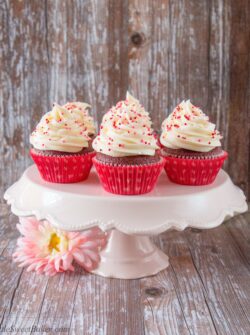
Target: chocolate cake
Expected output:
[128,160]
[184,153]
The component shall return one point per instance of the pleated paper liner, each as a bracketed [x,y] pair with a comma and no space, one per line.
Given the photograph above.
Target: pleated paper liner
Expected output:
[194,171]
[63,168]
[128,179]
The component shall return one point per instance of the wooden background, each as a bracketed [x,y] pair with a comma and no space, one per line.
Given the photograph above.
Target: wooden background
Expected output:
[94,50]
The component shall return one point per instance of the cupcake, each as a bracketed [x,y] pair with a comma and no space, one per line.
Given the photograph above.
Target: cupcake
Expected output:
[127,161]
[61,144]
[191,146]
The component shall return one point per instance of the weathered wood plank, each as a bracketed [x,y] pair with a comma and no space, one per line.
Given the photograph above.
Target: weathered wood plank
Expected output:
[239,109]
[189,52]
[10,278]
[107,306]
[225,278]
[170,63]
[19,305]
[23,82]
[218,65]
[239,228]
[58,302]
[8,230]
[118,18]
[149,60]
[86,59]
[210,277]
[27,297]
[180,306]
[163,313]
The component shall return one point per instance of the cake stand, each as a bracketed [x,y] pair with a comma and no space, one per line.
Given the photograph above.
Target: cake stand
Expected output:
[128,220]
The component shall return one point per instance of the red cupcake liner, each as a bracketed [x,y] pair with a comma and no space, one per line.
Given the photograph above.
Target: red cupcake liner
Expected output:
[63,169]
[128,179]
[196,171]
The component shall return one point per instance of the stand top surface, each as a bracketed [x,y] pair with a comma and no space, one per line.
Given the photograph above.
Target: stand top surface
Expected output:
[82,205]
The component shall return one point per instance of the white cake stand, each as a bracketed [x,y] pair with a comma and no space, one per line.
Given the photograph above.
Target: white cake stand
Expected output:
[129,219]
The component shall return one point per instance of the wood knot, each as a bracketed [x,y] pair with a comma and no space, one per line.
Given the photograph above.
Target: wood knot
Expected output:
[214,250]
[195,230]
[153,291]
[137,39]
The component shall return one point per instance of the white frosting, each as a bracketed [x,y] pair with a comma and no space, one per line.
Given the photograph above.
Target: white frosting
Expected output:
[125,131]
[83,108]
[187,127]
[61,130]
[134,103]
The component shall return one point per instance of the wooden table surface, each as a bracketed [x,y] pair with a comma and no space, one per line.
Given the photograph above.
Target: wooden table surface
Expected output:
[205,290]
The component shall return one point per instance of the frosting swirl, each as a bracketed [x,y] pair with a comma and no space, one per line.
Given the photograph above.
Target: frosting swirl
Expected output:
[83,109]
[134,103]
[187,127]
[125,131]
[61,129]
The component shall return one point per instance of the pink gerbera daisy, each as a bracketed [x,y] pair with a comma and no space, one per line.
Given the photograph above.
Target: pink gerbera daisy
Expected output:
[46,249]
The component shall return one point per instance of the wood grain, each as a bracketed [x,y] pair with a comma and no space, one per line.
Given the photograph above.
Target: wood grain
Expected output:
[23,82]
[205,290]
[220,282]
[86,57]
[103,306]
[239,108]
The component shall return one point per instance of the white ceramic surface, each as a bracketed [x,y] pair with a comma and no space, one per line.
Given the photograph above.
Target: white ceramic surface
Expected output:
[83,205]
[128,255]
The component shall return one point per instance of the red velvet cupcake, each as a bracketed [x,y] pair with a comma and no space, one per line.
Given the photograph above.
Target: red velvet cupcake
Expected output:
[191,146]
[126,160]
[62,145]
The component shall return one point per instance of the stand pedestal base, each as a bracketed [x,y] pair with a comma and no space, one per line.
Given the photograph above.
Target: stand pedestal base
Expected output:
[130,257]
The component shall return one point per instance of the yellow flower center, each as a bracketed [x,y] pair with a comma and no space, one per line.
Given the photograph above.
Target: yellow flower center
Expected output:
[54,243]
